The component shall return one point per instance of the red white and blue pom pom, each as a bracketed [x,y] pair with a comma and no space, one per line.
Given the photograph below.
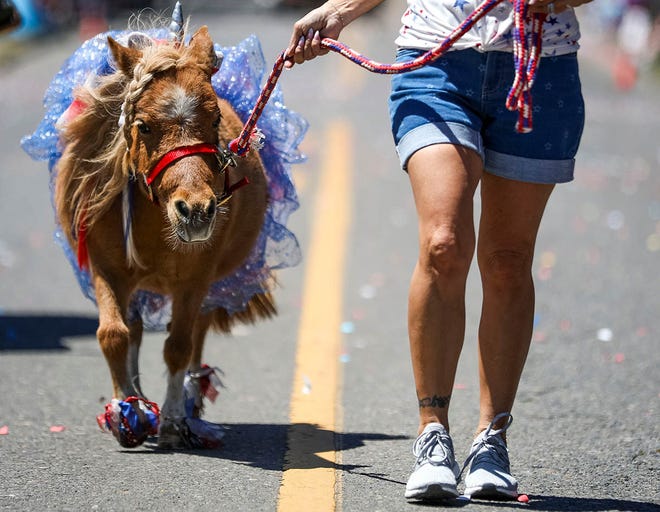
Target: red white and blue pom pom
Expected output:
[131,421]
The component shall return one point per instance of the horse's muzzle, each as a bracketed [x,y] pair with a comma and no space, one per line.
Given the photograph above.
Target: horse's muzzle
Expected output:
[195,223]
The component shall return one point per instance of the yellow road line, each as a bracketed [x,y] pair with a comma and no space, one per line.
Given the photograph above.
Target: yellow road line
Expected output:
[310,479]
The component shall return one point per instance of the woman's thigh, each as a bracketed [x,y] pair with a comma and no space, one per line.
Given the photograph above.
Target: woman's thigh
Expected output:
[444,178]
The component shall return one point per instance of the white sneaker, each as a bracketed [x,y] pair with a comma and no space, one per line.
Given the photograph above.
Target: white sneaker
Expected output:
[435,473]
[489,474]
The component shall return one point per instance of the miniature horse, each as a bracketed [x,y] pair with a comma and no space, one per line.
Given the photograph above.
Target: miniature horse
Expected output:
[151,132]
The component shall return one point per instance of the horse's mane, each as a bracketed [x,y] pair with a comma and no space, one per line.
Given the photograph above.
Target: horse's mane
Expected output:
[95,167]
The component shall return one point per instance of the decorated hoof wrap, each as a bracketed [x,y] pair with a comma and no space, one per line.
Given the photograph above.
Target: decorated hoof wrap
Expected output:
[193,432]
[200,434]
[189,434]
[204,383]
[131,421]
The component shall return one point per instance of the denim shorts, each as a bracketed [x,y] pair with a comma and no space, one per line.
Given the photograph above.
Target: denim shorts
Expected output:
[460,99]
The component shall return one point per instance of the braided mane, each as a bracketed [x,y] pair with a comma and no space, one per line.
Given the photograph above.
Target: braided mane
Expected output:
[95,169]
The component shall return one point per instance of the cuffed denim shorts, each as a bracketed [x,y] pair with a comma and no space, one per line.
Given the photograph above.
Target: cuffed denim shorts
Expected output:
[460,99]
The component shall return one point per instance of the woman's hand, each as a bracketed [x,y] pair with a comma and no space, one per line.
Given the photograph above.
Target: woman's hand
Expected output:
[305,44]
[552,6]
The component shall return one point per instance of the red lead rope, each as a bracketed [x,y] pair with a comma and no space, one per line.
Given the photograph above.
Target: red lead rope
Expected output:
[526,59]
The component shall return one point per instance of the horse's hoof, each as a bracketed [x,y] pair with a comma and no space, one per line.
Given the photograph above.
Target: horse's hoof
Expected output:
[169,437]
[130,441]
[190,434]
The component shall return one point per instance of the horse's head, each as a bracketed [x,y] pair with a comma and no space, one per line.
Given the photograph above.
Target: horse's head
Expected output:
[170,120]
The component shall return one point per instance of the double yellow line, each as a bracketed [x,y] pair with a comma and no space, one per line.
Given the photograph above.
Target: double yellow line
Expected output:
[310,480]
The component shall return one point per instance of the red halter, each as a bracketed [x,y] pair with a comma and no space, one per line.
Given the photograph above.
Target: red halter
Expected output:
[225,158]
[177,154]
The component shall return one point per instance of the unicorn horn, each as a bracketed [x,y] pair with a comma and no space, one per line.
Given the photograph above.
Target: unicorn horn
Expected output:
[176,27]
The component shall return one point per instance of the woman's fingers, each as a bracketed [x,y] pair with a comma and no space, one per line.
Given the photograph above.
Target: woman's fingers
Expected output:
[307,47]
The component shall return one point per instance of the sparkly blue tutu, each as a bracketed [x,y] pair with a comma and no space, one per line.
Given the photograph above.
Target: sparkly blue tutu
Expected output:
[239,82]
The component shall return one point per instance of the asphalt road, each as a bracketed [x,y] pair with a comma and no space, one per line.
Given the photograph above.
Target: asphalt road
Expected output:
[586,435]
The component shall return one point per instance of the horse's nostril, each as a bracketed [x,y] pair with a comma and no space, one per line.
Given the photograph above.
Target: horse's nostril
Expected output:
[183,209]
[210,211]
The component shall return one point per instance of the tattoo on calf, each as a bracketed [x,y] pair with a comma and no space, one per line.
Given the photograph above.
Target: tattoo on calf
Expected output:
[435,401]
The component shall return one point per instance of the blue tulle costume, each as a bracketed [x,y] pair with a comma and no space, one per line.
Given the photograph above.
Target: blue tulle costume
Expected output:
[239,82]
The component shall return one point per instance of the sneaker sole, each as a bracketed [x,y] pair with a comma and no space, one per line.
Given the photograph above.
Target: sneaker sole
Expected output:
[433,492]
[491,492]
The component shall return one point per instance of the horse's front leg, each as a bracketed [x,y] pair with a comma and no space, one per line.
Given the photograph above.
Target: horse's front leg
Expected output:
[172,432]
[195,370]
[135,336]
[128,420]
[113,334]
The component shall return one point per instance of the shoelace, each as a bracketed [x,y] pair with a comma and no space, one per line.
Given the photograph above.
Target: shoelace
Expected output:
[494,448]
[424,447]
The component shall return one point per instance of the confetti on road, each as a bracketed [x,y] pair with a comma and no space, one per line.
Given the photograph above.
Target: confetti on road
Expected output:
[653,242]
[544,274]
[368,291]
[358,314]
[347,328]
[548,259]
[4,430]
[7,256]
[604,334]
[57,428]
[539,336]
[307,385]
[523,498]
[615,220]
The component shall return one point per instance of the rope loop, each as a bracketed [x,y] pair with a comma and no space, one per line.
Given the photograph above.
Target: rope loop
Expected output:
[526,57]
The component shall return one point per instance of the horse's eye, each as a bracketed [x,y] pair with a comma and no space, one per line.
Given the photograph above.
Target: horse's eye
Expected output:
[216,123]
[143,127]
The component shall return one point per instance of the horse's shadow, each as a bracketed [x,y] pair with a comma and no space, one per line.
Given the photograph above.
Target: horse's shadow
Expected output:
[43,332]
[264,446]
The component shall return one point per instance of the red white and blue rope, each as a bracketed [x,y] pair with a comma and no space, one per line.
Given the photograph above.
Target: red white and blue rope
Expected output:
[526,55]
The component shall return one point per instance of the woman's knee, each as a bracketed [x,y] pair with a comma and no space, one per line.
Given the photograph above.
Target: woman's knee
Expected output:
[506,268]
[447,254]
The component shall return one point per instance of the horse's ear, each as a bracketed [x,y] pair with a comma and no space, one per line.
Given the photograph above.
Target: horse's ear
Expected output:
[124,57]
[202,50]
[139,41]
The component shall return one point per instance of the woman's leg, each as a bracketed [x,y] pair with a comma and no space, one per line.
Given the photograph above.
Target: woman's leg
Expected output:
[510,218]
[443,178]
